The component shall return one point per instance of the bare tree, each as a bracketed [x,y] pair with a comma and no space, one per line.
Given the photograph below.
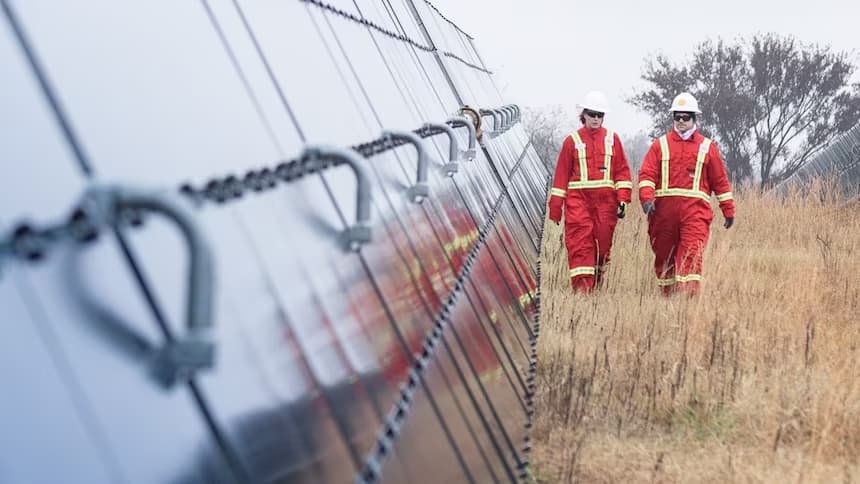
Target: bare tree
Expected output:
[800,94]
[636,147]
[547,127]
[769,99]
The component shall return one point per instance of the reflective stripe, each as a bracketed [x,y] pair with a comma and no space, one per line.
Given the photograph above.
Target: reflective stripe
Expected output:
[624,184]
[558,192]
[725,196]
[582,271]
[580,150]
[689,278]
[682,192]
[608,143]
[579,185]
[695,190]
[679,279]
[700,161]
[647,183]
[664,165]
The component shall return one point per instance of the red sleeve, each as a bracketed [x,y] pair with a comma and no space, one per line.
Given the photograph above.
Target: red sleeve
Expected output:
[558,192]
[718,180]
[649,173]
[621,172]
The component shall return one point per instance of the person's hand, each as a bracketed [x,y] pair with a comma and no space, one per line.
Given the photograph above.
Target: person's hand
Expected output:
[729,222]
[649,208]
[555,213]
[622,209]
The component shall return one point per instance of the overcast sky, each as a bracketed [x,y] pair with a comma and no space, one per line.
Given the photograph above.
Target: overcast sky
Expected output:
[553,51]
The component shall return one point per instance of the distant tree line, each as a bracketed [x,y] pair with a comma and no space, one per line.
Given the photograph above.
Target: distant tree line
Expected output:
[771,102]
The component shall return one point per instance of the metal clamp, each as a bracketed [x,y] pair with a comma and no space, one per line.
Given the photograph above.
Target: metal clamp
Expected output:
[453,147]
[456,121]
[354,236]
[177,360]
[420,190]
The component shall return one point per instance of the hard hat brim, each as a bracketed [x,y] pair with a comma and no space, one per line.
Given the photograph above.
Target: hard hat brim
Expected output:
[697,111]
[591,107]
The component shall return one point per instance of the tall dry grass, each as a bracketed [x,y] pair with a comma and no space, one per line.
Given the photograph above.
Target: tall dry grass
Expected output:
[755,380]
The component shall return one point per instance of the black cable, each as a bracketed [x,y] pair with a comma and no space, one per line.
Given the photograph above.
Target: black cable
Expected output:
[269,70]
[242,76]
[47,88]
[449,21]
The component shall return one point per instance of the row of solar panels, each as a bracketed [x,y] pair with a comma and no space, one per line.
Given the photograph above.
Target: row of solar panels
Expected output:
[839,161]
[176,300]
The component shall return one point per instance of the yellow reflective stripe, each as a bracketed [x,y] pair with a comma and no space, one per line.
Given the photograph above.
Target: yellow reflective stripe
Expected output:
[624,184]
[700,161]
[725,196]
[682,192]
[558,192]
[694,191]
[672,280]
[608,142]
[580,150]
[689,278]
[647,183]
[582,271]
[579,185]
[664,166]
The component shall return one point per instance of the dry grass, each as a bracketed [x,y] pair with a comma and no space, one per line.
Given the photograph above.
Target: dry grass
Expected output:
[756,380]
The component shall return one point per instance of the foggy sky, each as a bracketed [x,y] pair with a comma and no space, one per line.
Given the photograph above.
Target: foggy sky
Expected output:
[552,51]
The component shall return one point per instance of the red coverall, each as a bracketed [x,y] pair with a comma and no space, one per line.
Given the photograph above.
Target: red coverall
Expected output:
[591,178]
[680,176]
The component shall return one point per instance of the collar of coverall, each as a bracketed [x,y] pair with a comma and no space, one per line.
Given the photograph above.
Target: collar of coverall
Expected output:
[593,132]
[686,135]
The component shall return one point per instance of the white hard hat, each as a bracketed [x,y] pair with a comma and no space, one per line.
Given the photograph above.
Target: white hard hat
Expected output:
[595,101]
[685,102]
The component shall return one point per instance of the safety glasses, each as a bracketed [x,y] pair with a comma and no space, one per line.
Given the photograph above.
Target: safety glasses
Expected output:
[683,117]
[593,114]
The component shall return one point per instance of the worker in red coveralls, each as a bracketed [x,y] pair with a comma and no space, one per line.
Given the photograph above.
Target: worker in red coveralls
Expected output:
[680,171]
[592,186]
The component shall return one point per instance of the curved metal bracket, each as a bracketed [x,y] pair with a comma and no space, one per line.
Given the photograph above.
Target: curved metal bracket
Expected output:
[517,110]
[420,190]
[179,359]
[453,147]
[496,121]
[506,122]
[354,236]
[456,121]
[512,114]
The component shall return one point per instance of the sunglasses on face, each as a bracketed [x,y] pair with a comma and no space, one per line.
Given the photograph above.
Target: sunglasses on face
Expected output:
[683,117]
[594,114]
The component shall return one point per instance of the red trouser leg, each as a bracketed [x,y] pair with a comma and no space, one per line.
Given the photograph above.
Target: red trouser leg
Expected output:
[579,239]
[664,232]
[688,258]
[606,213]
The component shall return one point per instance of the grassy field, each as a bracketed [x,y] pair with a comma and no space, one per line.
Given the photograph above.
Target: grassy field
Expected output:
[755,380]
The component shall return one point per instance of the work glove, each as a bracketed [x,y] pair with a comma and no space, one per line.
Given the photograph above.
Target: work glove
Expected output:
[555,214]
[555,206]
[729,222]
[622,209]
[649,208]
